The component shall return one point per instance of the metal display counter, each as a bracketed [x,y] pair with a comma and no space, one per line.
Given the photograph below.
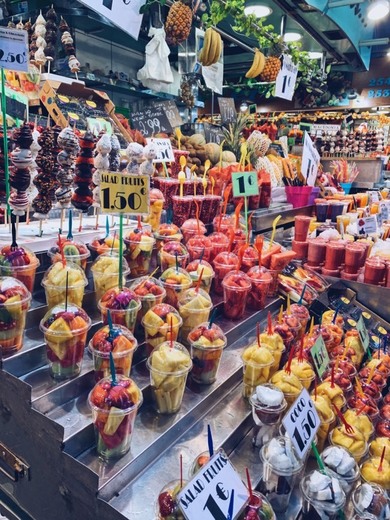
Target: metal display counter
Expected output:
[47,425]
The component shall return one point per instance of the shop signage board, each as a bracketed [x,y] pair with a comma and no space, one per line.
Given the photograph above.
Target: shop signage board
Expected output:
[123,13]
[310,161]
[213,133]
[208,494]
[227,108]
[286,79]
[124,193]
[164,149]
[320,356]
[151,121]
[315,127]
[171,111]
[13,49]
[245,184]
[301,423]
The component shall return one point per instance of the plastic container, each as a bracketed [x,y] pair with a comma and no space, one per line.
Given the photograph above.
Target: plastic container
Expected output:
[56,289]
[15,302]
[298,196]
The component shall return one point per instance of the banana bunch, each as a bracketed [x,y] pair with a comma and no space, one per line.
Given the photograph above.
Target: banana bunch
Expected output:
[212,48]
[257,65]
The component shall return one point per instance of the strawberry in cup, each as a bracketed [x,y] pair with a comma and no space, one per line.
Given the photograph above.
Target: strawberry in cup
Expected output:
[236,286]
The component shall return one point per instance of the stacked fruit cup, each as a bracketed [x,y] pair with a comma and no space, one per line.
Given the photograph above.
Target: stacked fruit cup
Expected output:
[64,281]
[140,245]
[161,323]
[175,281]
[105,273]
[123,305]
[194,308]
[207,342]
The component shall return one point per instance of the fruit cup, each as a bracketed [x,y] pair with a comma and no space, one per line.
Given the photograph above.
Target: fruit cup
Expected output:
[156,206]
[150,292]
[167,507]
[258,507]
[123,305]
[105,273]
[114,409]
[181,208]
[223,263]
[236,286]
[104,244]
[175,281]
[120,342]
[56,288]
[200,246]
[222,223]
[289,384]
[138,254]
[74,251]
[195,268]
[192,227]
[210,207]
[168,187]
[194,308]
[327,419]
[354,441]
[274,285]
[65,329]
[257,363]
[220,243]
[162,324]
[370,502]
[19,262]
[166,233]
[261,280]
[173,253]
[14,304]
[169,365]
[207,342]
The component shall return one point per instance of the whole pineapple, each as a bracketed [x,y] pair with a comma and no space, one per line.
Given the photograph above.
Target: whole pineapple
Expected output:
[272,63]
[178,23]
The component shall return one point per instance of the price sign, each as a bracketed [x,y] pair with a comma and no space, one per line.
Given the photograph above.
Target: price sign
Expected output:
[164,149]
[171,112]
[302,422]
[13,49]
[213,133]
[286,79]
[363,334]
[207,495]
[384,209]
[374,196]
[310,161]
[124,193]
[367,225]
[150,121]
[227,108]
[245,184]
[320,356]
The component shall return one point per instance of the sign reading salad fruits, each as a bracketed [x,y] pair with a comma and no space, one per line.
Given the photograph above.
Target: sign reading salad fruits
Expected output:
[124,193]
[209,494]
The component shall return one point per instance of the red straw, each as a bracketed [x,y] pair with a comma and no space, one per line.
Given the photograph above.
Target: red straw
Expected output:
[258,334]
[290,358]
[171,327]
[197,215]
[241,252]
[61,250]
[332,377]
[361,410]
[382,457]
[270,328]
[248,479]
[231,239]
[139,222]
[259,242]
[181,470]
[199,280]
[237,215]
[300,356]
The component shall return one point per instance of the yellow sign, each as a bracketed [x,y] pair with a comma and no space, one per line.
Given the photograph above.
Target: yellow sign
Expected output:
[124,193]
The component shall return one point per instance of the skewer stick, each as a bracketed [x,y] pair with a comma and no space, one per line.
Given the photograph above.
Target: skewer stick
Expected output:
[40,228]
[17,226]
[97,218]
[81,223]
[28,216]
[62,219]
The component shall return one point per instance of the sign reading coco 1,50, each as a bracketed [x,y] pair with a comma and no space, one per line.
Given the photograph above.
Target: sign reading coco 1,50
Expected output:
[124,193]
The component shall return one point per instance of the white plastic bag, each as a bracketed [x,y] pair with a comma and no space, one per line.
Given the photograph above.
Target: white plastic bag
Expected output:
[157,67]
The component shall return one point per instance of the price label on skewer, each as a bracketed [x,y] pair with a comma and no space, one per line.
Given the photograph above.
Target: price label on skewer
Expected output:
[301,423]
[320,356]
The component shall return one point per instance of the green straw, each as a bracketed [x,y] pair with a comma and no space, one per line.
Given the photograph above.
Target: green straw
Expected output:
[70,221]
[107,226]
[120,284]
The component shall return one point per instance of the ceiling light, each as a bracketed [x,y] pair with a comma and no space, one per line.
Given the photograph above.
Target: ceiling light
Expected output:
[378,10]
[314,55]
[259,10]
[388,54]
[292,36]
[244,106]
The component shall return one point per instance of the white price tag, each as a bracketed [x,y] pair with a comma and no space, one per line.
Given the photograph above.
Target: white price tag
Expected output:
[384,209]
[310,161]
[207,495]
[286,79]
[164,149]
[367,225]
[302,422]
[13,49]
[374,196]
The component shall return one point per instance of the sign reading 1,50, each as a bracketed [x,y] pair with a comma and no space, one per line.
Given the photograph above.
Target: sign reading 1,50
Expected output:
[12,57]
[307,424]
[122,201]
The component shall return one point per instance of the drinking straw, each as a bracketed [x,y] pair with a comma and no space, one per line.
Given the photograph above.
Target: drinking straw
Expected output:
[302,295]
[288,305]
[300,355]
[13,231]
[371,374]
[165,170]
[274,224]
[199,281]
[318,458]
[177,261]
[259,242]
[171,327]
[231,506]
[112,370]
[197,216]
[359,387]
[335,314]
[70,222]
[332,377]
[290,358]
[66,290]
[107,227]
[201,256]
[269,323]
[280,315]
[210,441]
[380,468]
[258,334]
[113,243]
[181,470]
[248,479]
[61,246]
[212,317]
[148,278]
[120,281]
[311,326]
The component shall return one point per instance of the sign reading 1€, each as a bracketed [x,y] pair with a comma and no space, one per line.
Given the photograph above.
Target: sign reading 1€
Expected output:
[245,184]
[124,193]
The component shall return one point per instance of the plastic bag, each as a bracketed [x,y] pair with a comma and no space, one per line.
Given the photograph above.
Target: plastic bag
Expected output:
[157,68]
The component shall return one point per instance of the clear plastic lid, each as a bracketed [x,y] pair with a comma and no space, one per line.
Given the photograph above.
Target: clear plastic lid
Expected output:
[118,340]
[170,358]
[173,276]
[116,399]
[237,280]
[206,335]
[12,292]
[16,257]
[58,273]
[191,225]
[119,299]
[108,264]
[65,321]
[71,248]
[195,300]
[146,287]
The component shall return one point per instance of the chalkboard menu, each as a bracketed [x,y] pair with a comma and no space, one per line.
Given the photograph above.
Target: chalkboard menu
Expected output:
[213,133]
[171,112]
[151,121]
[228,110]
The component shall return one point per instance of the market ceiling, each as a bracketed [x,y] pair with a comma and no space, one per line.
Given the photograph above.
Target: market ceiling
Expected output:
[336,27]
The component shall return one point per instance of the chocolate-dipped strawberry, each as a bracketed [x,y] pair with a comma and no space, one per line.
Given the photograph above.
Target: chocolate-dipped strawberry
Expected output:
[82,196]
[68,45]
[21,160]
[51,33]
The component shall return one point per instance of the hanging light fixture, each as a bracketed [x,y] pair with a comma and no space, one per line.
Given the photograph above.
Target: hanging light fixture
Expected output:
[292,36]
[259,10]
[378,9]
